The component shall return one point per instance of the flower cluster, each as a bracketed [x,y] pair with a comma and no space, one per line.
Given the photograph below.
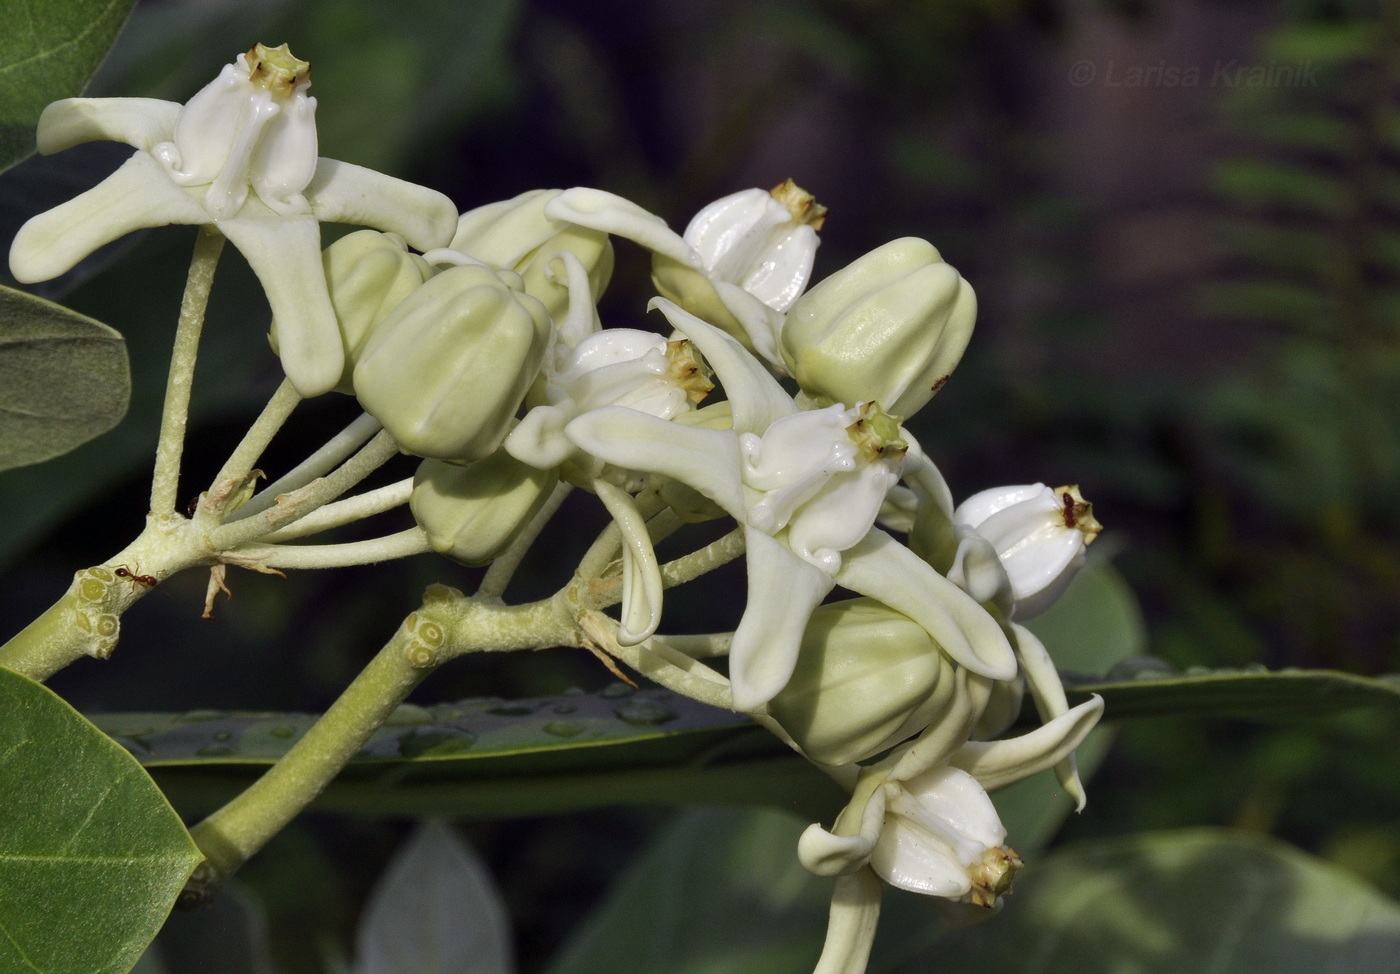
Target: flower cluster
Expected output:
[484,355]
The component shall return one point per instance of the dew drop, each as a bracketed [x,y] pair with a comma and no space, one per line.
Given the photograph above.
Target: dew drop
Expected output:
[435,742]
[216,751]
[562,728]
[644,712]
[614,690]
[565,708]
[512,710]
[283,731]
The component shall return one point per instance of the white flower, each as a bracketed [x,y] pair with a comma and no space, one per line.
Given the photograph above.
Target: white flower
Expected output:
[741,263]
[591,367]
[921,818]
[1038,533]
[240,155]
[805,487]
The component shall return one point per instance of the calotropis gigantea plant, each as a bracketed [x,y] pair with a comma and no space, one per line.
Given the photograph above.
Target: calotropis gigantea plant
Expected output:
[483,354]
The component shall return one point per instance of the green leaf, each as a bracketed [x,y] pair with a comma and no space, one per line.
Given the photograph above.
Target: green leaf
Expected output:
[436,910]
[64,379]
[1094,624]
[48,51]
[720,892]
[1199,900]
[1154,689]
[91,855]
[493,757]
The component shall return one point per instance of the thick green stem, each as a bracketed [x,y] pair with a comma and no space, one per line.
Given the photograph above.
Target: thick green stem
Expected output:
[165,482]
[86,620]
[235,832]
[447,624]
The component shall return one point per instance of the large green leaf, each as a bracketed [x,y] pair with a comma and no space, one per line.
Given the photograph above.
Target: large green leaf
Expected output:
[64,379]
[48,50]
[1153,689]
[1197,900]
[91,854]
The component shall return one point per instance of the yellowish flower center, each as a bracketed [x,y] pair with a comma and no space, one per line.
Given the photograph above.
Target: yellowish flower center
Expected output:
[276,69]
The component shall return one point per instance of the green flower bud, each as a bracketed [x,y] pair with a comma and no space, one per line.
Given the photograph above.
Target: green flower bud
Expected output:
[891,326]
[446,371]
[867,677]
[515,235]
[471,514]
[367,273]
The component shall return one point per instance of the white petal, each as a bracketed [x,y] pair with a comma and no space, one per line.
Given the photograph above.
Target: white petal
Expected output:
[948,731]
[885,570]
[780,280]
[978,571]
[758,400]
[285,253]
[984,504]
[783,591]
[641,574]
[761,323]
[1043,681]
[343,193]
[599,210]
[139,122]
[284,160]
[705,459]
[539,440]
[934,834]
[138,195]
[998,763]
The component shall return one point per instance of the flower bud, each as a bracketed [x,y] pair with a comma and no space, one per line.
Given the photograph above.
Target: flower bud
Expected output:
[1040,535]
[446,371]
[891,326]
[473,513]
[515,235]
[367,273]
[867,677]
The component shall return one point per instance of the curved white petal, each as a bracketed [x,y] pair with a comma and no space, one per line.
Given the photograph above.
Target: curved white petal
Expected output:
[138,195]
[539,439]
[999,763]
[888,572]
[783,591]
[760,322]
[984,504]
[705,459]
[139,122]
[978,571]
[1043,681]
[285,253]
[345,193]
[757,399]
[599,210]
[850,928]
[641,574]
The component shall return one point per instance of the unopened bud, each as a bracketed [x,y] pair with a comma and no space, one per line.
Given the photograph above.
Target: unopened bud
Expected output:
[891,326]
[447,370]
[515,235]
[867,677]
[473,513]
[367,273]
